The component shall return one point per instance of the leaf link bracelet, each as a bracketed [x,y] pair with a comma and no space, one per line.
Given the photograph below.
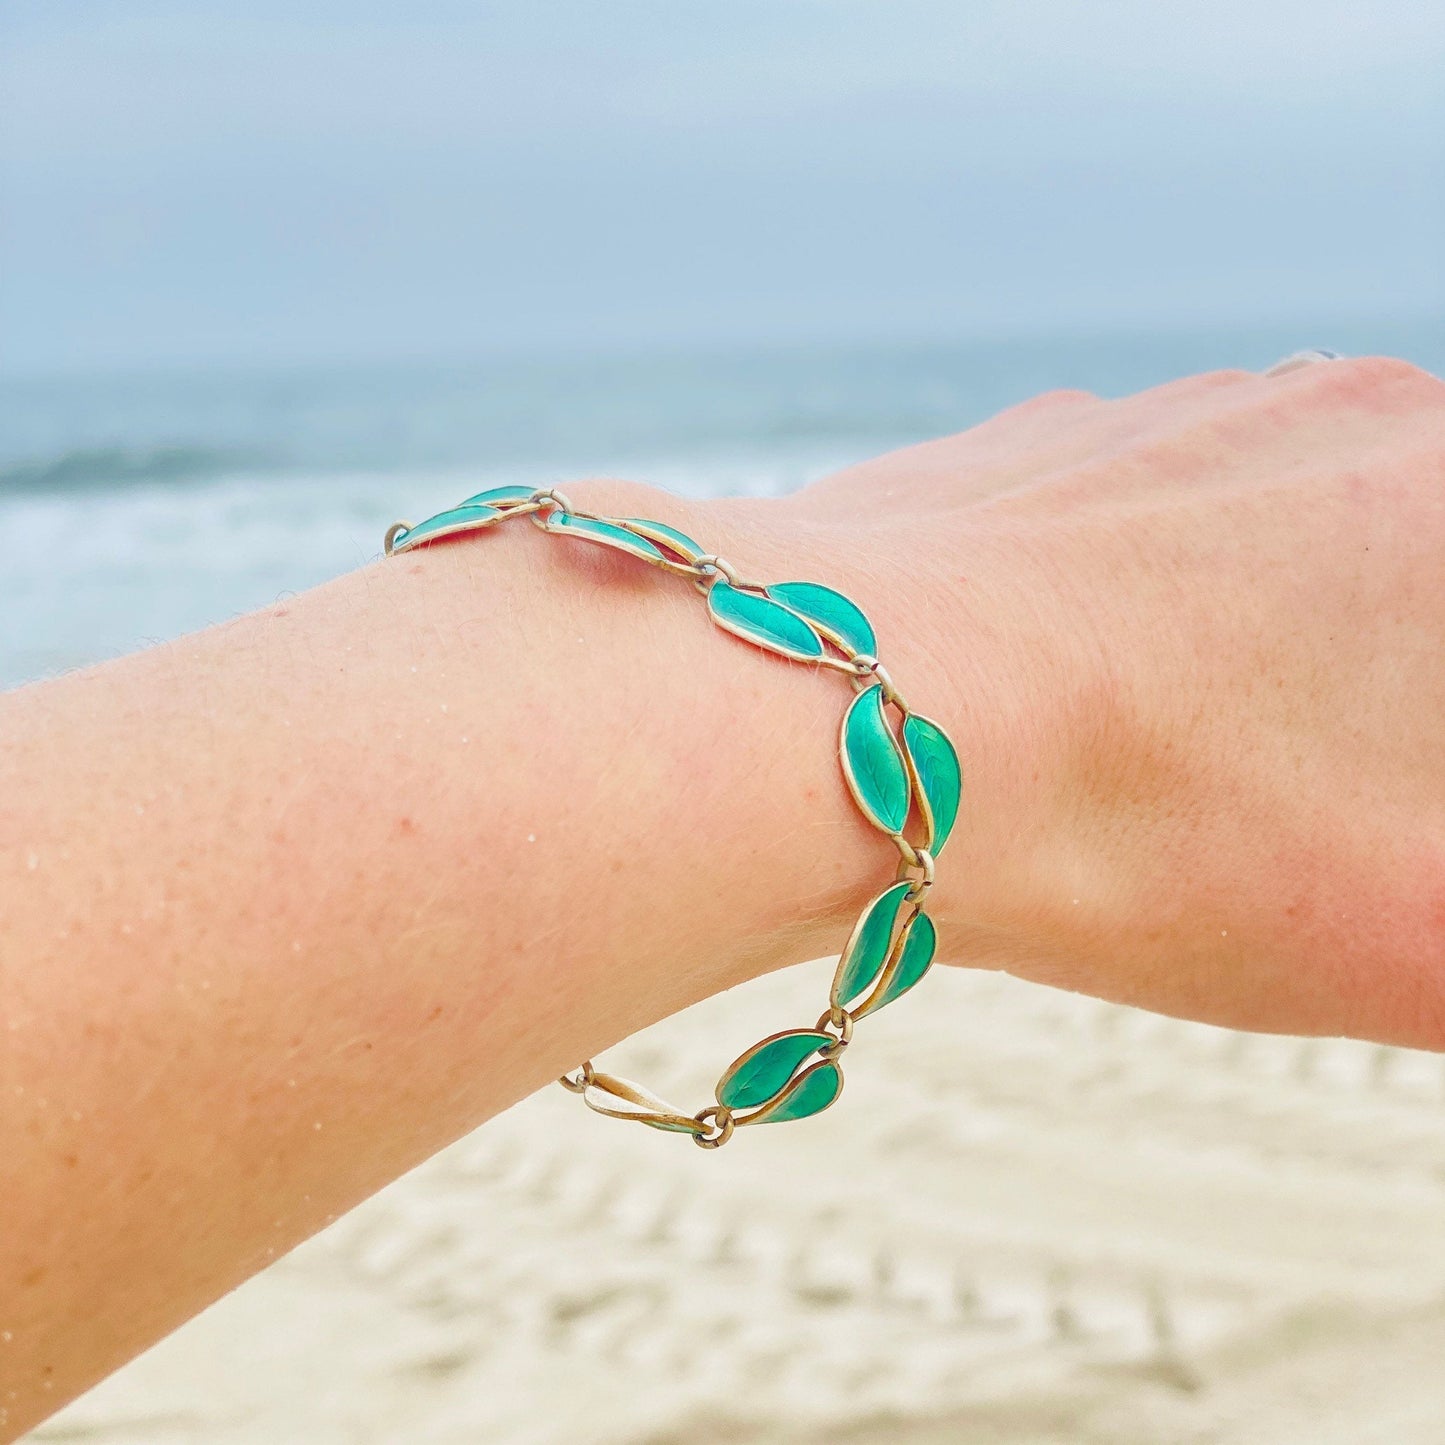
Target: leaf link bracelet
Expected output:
[897,763]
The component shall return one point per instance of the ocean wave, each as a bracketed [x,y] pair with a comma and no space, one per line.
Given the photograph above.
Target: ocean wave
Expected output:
[88,468]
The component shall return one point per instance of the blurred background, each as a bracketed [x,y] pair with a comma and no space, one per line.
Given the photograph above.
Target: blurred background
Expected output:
[274,275]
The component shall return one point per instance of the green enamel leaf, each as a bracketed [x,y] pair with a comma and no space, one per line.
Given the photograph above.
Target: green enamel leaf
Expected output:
[762,1072]
[838,619]
[937,777]
[873,762]
[867,948]
[500,496]
[810,1093]
[909,961]
[446,524]
[608,533]
[765,623]
[665,536]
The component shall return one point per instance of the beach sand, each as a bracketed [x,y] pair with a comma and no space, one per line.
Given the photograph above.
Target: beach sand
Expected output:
[1032,1218]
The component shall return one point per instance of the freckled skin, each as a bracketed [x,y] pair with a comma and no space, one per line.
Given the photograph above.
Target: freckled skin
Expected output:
[262,953]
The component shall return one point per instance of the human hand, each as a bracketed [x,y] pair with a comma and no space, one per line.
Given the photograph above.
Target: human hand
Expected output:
[1192,646]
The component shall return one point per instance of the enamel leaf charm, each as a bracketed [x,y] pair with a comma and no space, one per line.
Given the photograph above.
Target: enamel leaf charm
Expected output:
[622,1099]
[763,1072]
[451,523]
[867,948]
[873,763]
[765,623]
[678,543]
[838,619]
[508,496]
[811,1092]
[908,961]
[937,777]
[609,534]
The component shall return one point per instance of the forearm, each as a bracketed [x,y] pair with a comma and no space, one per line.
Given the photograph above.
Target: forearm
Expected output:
[290,904]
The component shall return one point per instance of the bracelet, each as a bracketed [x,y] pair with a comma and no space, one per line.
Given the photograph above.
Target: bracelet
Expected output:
[894,772]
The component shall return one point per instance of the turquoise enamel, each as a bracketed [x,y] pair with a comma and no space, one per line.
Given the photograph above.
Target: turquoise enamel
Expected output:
[765,623]
[936,775]
[763,1072]
[867,948]
[669,538]
[908,961]
[842,622]
[873,762]
[608,534]
[510,496]
[450,523]
[814,1090]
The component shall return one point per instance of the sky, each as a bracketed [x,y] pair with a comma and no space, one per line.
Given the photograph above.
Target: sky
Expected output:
[204,183]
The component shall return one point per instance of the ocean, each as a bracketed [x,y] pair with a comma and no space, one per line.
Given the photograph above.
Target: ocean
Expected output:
[140,506]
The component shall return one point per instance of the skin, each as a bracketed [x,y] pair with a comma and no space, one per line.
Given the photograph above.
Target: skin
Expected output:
[288,905]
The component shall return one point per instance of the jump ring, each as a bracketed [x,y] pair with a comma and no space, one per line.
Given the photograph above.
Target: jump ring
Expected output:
[922,859]
[720,1116]
[839,1018]
[551,494]
[713,563]
[866,666]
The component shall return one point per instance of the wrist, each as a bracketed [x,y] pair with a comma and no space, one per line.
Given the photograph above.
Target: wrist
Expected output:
[758,815]
[984,645]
